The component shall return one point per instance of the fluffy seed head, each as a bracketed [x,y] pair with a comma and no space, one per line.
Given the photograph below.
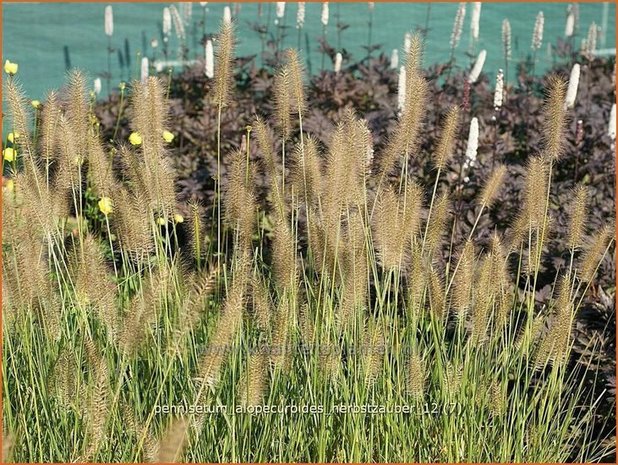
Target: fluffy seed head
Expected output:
[446,146]
[592,254]
[492,187]
[225,63]
[554,118]
[577,223]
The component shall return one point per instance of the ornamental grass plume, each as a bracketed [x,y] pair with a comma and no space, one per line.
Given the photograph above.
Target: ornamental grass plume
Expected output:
[50,115]
[253,383]
[589,260]
[577,217]
[554,118]
[224,64]
[491,190]
[475,72]
[413,92]
[446,145]
[171,446]
[240,202]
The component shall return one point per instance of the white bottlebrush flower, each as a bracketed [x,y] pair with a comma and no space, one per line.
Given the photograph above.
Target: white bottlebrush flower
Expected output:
[186,10]
[407,42]
[167,22]
[178,23]
[506,38]
[473,143]
[324,17]
[338,60]
[109,21]
[300,15]
[371,5]
[154,43]
[537,33]
[478,67]
[499,92]
[280,10]
[97,86]
[460,16]
[569,27]
[209,60]
[395,59]
[144,70]
[203,4]
[591,40]
[227,15]
[401,88]
[611,129]
[573,84]
[475,20]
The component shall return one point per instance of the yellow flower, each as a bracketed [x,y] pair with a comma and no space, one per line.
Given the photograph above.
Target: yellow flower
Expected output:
[13,136]
[135,138]
[122,85]
[106,206]
[10,68]
[8,154]
[161,221]
[36,104]
[168,136]
[178,218]
[10,185]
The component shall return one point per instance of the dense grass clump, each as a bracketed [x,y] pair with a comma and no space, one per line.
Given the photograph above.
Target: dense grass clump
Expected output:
[325,306]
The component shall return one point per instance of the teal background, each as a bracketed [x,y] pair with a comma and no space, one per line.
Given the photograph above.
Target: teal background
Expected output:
[36,34]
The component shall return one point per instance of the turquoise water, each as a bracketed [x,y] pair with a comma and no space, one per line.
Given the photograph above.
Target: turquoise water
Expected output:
[45,38]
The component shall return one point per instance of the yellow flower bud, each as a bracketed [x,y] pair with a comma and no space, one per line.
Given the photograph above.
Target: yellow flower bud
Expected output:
[9,154]
[13,136]
[168,136]
[135,138]
[10,68]
[36,104]
[161,221]
[122,85]
[178,218]
[106,205]
[10,185]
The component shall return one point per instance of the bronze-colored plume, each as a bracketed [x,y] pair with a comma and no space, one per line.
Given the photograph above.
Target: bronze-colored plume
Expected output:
[224,72]
[577,217]
[589,260]
[554,118]
[492,187]
[172,444]
[446,145]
